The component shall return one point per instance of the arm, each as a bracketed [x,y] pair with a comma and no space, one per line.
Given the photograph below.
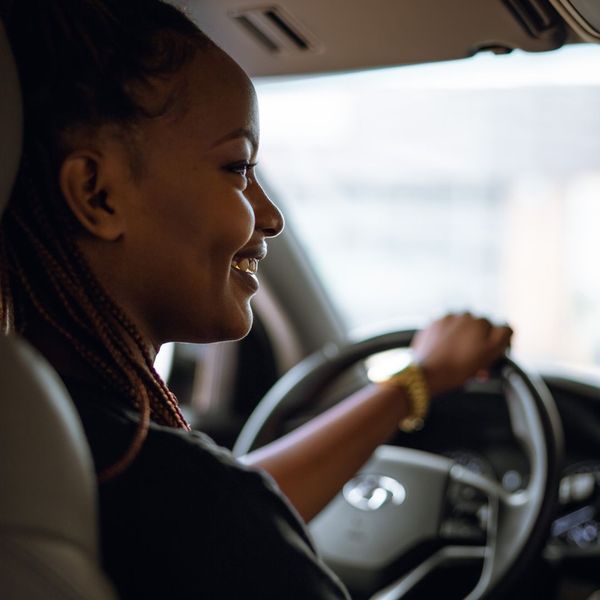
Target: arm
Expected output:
[313,462]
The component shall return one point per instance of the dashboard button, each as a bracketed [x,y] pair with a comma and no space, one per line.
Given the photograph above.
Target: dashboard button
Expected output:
[577,487]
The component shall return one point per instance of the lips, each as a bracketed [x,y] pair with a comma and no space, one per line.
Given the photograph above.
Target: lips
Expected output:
[247,259]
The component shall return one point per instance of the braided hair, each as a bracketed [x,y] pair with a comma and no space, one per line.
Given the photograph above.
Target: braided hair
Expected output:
[82,64]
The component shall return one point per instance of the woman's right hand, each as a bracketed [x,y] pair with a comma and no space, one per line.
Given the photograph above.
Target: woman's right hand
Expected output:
[456,347]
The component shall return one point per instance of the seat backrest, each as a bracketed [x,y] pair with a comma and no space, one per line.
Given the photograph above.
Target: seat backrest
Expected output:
[48,516]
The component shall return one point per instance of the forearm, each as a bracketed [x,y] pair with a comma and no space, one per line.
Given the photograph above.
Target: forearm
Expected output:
[313,462]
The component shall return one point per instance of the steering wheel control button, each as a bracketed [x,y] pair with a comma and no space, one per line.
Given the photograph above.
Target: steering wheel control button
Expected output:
[466,514]
[370,492]
[578,528]
[577,487]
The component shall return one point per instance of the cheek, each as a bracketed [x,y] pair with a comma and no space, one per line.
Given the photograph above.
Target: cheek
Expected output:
[190,227]
[210,214]
[233,225]
[225,220]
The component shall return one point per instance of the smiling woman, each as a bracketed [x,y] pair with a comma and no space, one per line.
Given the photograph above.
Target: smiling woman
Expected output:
[138,199]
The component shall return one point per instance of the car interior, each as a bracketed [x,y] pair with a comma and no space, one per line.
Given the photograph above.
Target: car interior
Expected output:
[366,109]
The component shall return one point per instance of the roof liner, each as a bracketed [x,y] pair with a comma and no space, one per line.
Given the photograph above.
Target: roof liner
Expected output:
[309,36]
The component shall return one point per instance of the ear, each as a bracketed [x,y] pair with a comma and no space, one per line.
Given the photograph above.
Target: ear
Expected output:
[85,185]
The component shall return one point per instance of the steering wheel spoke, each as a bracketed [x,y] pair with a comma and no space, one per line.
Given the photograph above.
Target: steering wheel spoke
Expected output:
[471,501]
[448,556]
[507,519]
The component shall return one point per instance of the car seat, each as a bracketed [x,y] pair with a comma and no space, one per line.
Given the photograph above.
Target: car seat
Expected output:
[48,516]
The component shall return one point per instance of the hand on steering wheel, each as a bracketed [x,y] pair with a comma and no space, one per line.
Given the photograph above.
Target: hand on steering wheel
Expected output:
[455,348]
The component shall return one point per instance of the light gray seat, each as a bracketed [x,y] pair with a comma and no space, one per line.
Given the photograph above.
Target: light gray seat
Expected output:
[48,516]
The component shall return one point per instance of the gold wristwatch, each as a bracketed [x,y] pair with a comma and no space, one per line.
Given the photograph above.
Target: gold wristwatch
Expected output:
[412,380]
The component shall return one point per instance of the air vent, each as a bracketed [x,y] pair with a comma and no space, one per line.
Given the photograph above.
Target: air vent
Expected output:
[275,29]
[537,17]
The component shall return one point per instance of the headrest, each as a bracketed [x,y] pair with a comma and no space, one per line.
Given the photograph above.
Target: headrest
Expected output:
[11,119]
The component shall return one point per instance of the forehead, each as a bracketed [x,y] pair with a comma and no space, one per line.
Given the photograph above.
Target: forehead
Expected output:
[219,98]
[207,101]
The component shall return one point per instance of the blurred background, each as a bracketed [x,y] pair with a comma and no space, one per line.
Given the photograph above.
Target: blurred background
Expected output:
[472,185]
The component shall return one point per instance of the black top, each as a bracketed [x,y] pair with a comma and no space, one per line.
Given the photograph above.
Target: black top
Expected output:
[188,521]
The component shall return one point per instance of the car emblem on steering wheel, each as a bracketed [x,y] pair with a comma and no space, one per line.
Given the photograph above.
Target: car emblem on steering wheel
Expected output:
[370,492]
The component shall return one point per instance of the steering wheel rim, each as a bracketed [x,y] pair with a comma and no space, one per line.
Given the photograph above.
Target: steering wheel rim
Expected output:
[517,523]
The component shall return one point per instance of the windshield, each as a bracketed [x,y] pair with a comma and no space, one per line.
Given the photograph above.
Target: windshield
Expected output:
[472,185]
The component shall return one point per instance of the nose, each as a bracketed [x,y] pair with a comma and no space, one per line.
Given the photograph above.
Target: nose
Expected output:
[268,217]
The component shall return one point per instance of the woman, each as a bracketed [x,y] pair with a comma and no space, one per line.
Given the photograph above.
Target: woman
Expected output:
[137,219]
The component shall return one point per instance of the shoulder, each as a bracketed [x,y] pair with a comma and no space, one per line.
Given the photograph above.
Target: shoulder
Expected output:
[187,520]
[187,505]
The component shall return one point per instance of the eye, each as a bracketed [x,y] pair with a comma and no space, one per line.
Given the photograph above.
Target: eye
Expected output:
[242,168]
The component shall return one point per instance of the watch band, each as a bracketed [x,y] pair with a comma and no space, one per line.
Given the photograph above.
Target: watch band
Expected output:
[412,380]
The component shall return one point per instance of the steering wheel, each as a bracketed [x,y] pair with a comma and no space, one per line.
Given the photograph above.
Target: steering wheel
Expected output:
[416,511]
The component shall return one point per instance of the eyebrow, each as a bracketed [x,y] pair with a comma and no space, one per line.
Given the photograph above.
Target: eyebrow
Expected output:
[242,132]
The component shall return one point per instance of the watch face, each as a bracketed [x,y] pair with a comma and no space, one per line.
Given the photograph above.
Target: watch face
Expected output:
[383,365]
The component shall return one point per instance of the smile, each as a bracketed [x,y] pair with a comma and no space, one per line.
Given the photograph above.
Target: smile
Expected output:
[245,265]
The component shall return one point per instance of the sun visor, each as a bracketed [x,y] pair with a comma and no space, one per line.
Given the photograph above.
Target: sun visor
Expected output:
[298,36]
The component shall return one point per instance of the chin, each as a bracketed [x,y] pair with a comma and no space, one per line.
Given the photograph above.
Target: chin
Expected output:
[235,328]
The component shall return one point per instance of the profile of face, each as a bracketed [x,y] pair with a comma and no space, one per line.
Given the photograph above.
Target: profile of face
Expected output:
[177,243]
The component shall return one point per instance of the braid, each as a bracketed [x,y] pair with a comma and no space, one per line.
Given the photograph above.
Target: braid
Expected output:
[136,445]
[90,357]
[6,318]
[82,65]
[55,272]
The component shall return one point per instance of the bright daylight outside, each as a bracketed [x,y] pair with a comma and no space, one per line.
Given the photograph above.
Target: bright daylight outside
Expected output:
[466,185]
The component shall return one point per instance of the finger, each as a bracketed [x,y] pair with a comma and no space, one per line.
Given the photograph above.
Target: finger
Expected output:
[485,325]
[499,338]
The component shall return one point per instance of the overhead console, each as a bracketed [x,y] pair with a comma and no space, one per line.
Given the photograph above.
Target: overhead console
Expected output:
[300,36]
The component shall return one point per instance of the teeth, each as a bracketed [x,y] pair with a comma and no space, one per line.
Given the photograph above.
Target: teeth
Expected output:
[246,265]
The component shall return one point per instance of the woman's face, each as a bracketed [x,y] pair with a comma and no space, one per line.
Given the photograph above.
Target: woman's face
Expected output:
[197,219]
